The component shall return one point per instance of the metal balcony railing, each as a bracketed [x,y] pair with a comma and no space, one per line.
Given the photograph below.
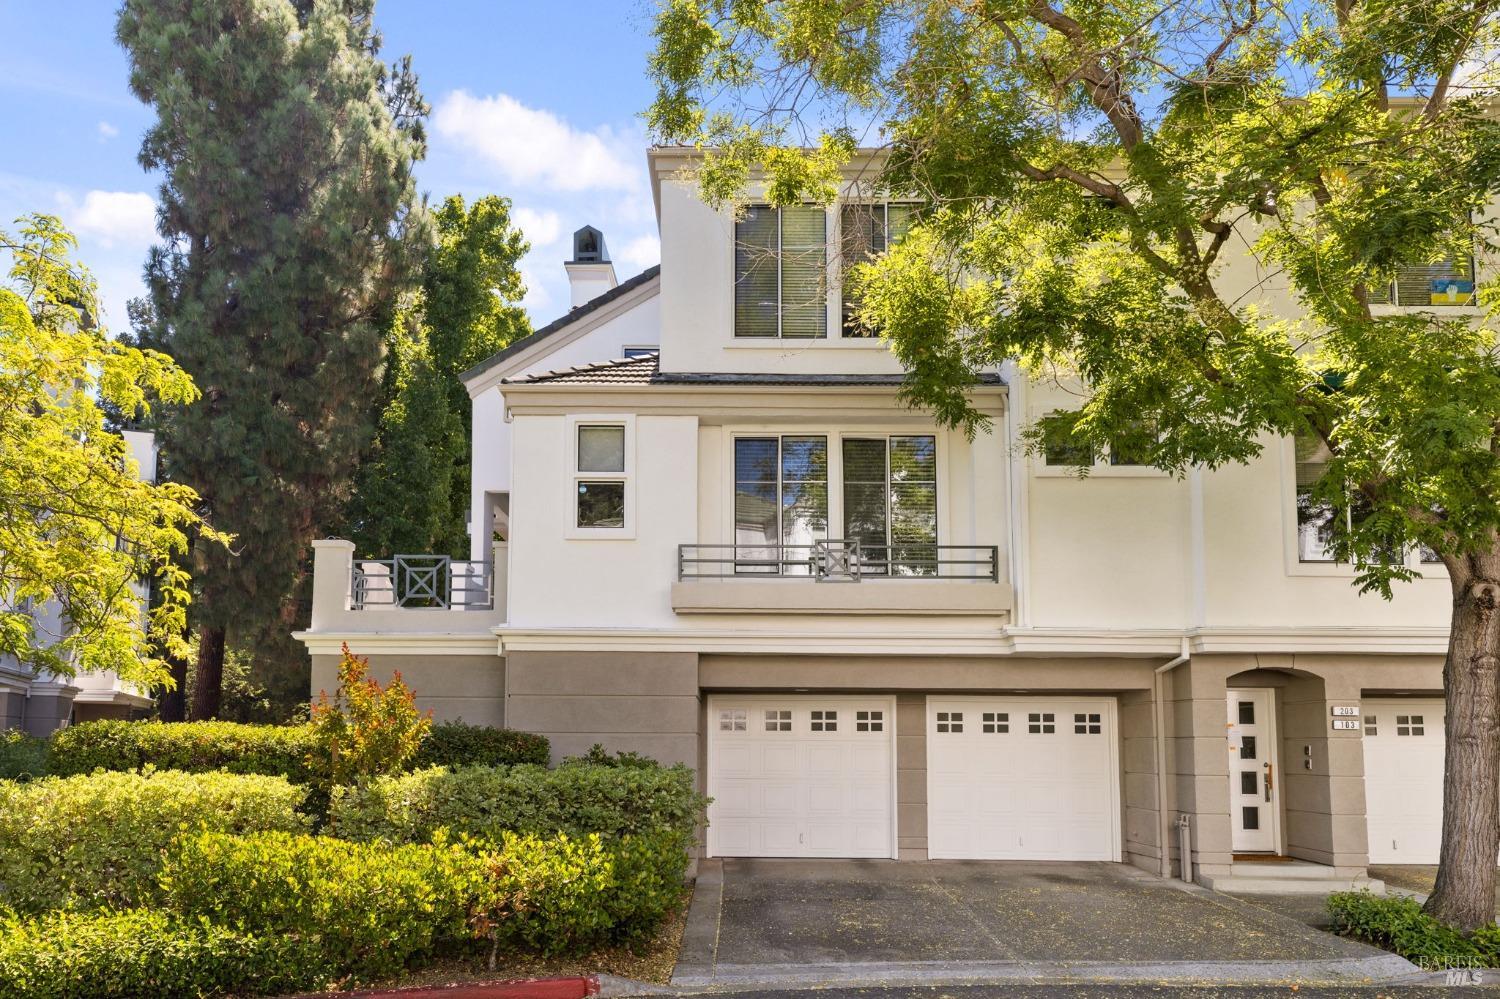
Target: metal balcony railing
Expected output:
[421,581]
[840,562]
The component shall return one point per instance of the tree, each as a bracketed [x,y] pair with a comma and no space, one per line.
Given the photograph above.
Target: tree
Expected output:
[290,225]
[1089,169]
[413,491]
[78,526]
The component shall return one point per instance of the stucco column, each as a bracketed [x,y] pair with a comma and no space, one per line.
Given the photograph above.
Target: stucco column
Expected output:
[1198,759]
[1323,773]
[333,563]
[500,577]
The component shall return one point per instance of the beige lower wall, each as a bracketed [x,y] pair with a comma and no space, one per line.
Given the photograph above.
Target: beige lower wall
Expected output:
[1138,786]
[923,673]
[911,776]
[455,688]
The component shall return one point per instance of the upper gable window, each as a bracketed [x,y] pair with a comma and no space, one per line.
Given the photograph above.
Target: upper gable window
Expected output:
[600,476]
[865,232]
[780,271]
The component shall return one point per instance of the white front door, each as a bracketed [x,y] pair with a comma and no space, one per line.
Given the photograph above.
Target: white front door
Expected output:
[1022,778]
[1404,780]
[801,776]
[1254,783]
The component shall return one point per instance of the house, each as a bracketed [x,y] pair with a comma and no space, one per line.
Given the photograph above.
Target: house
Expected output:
[705,529]
[43,703]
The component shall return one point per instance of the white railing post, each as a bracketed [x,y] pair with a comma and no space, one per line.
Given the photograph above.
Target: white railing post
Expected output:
[333,564]
[499,576]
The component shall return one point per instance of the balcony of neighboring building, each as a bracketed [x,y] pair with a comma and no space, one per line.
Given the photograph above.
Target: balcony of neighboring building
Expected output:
[405,594]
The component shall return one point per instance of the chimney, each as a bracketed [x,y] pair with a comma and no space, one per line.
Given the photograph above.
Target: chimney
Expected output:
[590,274]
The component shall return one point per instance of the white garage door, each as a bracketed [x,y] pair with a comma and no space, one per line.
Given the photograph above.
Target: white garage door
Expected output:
[1404,780]
[801,776]
[1022,779]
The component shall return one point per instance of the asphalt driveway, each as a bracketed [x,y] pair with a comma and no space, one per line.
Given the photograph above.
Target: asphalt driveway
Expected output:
[847,921]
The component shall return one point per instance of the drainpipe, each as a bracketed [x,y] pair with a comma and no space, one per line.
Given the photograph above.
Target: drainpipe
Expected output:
[1159,703]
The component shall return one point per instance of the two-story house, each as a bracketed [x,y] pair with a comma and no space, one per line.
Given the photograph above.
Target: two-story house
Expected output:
[704,528]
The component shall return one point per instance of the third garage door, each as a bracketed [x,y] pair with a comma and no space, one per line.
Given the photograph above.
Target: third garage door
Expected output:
[1403,742]
[1021,778]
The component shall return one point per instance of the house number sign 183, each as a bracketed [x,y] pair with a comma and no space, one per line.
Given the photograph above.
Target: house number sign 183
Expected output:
[1345,723]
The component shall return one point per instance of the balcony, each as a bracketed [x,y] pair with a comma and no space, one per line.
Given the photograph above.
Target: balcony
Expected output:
[405,594]
[420,581]
[840,577]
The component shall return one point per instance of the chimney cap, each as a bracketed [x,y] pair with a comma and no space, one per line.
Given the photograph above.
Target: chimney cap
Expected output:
[588,247]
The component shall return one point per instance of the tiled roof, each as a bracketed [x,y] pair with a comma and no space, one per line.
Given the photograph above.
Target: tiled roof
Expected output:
[644,371]
[563,322]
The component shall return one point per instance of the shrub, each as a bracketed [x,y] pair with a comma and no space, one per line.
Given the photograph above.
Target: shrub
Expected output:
[141,953]
[22,756]
[369,909]
[455,744]
[99,839]
[1397,923]
[486,802]
[364,730]
[194,747]
[598,756]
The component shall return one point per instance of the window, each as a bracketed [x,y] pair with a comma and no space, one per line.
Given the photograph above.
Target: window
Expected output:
[825,721]
[1059,448]
[1043,723]
[865,232]
[780,502]
[995,722]
[1087,724]
[632,353]
[1371,725]
[778,720]
[1247,712]
[1409,725]
[732,720]
[950,721]
[1249,782]
[869,721]
[1314,516]
[1446,282]
[780,265]
[600,478]
[1250,817]
[1247,747]
[890,503]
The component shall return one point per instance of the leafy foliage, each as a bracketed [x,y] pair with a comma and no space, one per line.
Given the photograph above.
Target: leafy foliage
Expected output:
[193,747]
[22,756]
[1398,924]
[99,839]
[456,744]
[486,802]
[364,730]
[78,527]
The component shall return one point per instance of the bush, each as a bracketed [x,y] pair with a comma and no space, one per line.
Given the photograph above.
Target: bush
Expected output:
[486,802]
[369,909]
[22,756]
[598,756]
[455,744]
[364,730]
[194,747]
[99,839]
[1397,923]
[140,953]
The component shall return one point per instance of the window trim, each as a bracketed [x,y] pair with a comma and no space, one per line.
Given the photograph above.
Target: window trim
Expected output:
[625,532]
[779,342]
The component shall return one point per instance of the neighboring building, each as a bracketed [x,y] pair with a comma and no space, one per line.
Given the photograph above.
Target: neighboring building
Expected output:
[41,704]
[705,529]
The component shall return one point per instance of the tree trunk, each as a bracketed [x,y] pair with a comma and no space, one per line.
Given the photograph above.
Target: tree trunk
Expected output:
[172,704]
[208,682]
[1464,895]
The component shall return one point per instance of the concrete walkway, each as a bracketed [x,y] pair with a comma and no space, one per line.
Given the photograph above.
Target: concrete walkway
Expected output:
[766,923]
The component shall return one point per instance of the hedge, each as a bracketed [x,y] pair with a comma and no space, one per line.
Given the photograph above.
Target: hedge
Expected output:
[99,839]
[1397,923]
[194,747]
[135,953]
[22,756]
[486,802]
[456,744]
[369,909]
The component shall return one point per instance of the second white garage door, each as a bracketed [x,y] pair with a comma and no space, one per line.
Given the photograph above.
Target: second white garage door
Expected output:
[1404,780]
[801,776]
[1022,779]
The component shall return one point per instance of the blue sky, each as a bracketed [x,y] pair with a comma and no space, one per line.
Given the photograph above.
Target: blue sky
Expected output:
[539,102]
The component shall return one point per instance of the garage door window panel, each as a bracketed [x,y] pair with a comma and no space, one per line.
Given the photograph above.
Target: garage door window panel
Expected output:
[869,721]
[825,721]
[1041,724]
[778,720]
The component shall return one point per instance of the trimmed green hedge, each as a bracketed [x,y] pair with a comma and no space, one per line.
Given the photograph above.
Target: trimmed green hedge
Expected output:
[486,802]
[457,744]
[99,839]
[22,756]
[1397,923]
[137,953]
[193,747]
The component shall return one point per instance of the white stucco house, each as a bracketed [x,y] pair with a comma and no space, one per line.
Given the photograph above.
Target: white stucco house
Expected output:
[43,703]
[704,529]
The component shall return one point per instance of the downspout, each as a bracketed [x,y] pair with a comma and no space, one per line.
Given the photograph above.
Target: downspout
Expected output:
[1158,702]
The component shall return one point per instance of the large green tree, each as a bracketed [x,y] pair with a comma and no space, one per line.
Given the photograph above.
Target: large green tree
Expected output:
[1090,167]
[290,224]
[412,494]
[79,528]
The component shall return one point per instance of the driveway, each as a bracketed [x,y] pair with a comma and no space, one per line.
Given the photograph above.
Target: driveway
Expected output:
[767,921]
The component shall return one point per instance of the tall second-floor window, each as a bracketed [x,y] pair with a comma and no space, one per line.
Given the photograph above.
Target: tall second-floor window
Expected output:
[865,232]
[780,502]
[780,272]
[1314,517]
[890,503]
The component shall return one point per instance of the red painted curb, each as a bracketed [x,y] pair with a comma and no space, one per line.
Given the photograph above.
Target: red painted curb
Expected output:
[516,988]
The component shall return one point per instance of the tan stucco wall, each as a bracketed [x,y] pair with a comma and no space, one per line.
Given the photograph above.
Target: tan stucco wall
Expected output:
[1138,790]
[467,688]
[911,776]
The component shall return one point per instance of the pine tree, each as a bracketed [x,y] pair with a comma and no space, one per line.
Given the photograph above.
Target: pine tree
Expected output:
[290,224]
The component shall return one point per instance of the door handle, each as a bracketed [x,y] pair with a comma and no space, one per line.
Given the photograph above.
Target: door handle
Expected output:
[1268,781]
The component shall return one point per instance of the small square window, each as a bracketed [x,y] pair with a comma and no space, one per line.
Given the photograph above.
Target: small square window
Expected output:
[1409,725]
[1249,782]
[601,449]
[1247,712]
[950,721]
[1041,723]
[732,720]
[1250,817]
[1247,747]
[778,720]
[825,721]
[995,722]
[869,721]
[1370,725]
[1087,724]
[601,504]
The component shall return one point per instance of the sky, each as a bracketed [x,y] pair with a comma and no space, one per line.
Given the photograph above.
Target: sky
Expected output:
[538,102]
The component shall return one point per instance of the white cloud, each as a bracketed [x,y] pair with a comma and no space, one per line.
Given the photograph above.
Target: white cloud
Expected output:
[112,217]
[641,252]
[538,297]
[536,147]
[107,131]
[541,228]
